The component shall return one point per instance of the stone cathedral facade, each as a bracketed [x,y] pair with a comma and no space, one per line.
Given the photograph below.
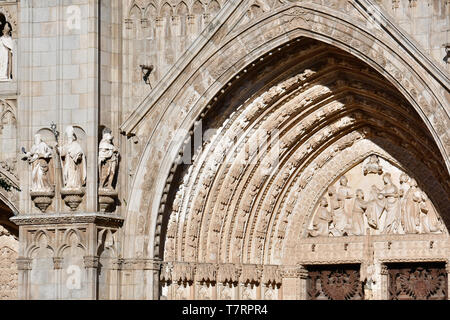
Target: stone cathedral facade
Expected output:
[224,149]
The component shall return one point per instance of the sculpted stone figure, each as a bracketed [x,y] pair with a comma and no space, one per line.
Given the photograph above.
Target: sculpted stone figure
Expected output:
[339,223]
[375,207]
[359,208]
[410,210]
[74,161]
[6,49]
[321,220]
[344,196]
[39,158]
[373,166]
[392,205]
[429,221]
[108,160]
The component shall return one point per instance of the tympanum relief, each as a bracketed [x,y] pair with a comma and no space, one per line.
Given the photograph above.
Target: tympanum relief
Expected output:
[377,196]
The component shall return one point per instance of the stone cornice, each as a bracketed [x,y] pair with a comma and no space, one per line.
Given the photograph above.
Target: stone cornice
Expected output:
[52,219]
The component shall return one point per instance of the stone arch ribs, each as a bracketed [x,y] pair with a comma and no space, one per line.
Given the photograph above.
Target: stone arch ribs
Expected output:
[221,61]
[225,208]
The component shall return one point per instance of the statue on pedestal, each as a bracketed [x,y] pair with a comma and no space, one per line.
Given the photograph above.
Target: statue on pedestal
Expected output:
[42,189]
[108,164]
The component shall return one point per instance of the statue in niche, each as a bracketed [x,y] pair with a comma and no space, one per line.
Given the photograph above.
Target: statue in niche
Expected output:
[410,209]
[344,196]
[74,161]
[391,206]
[322,220]
[359,209]
[339,224]
[108,160]
[6,52]
[39,158]
[373,166]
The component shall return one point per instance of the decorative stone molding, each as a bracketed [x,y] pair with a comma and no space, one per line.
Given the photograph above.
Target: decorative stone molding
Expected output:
[104,220]
[297,271]
[42,199]
[24,264]
[91,262]
[72,197]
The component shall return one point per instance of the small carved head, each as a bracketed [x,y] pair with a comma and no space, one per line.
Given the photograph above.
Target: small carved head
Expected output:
[331,190]
[37,139]
[70,133]
[404,178]
[360,194]
[387,178]
[344,181]
[324,202]
[7,29]
[107,135]
[374,159]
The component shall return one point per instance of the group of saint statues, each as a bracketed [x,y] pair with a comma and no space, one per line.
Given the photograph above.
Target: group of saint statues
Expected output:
[389,210]
[73,162]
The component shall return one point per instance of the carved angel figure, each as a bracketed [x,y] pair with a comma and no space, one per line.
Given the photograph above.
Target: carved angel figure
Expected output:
[74,161]
[108,160]
[373,166]
[39,158]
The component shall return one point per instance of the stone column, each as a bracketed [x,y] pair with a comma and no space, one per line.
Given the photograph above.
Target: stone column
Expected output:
[384,282]
[78,234]
[294,280]
[152,271]
[91,265]
[57,265]
[24,268]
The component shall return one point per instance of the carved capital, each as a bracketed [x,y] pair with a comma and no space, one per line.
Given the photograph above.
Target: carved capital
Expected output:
[57,263]
[271,275]
[117,265]
[297,271]
[384,269]
[206,272]
[91,262]
[24,264]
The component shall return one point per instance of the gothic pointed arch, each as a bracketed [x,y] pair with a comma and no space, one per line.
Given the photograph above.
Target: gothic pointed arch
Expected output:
[280,103]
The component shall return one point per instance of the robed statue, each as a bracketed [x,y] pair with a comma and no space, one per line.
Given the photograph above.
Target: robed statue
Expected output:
[39,158]
[73,161]
[108,160]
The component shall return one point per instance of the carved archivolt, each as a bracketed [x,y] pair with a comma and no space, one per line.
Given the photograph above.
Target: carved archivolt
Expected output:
[250,186]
